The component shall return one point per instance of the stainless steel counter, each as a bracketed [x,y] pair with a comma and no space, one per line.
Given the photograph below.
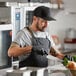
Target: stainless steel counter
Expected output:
[56,70]
[28,71]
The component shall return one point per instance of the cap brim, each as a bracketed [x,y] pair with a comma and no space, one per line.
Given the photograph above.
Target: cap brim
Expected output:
[50,19]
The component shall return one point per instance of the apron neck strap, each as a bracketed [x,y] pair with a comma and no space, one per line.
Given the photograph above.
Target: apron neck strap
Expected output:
[30,31]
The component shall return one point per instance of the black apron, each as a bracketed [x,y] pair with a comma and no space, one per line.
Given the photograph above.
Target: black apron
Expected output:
[35,59]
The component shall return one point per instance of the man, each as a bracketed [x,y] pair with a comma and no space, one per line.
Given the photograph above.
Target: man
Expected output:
[33,44]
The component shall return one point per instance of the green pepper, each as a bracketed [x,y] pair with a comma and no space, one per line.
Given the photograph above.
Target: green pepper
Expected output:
[65,61]
[74,58]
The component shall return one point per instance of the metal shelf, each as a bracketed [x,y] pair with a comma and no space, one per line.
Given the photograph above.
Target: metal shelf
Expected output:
[5,27]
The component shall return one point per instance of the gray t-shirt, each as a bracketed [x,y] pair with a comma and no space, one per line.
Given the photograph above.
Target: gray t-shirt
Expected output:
[23,38]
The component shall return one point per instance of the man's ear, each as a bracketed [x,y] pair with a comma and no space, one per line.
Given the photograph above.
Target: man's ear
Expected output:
[34,18]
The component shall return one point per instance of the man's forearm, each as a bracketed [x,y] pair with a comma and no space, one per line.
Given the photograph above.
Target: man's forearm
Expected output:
[17,51]
[52,51]
[56,53]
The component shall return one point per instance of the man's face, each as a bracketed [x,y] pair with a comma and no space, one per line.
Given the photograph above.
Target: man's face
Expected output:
[41,24]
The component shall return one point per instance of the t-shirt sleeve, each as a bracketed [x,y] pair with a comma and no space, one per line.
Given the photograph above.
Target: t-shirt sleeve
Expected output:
[23,38]
[18,39]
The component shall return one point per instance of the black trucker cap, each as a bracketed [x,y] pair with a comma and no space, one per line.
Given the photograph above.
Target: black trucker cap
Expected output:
[43,12]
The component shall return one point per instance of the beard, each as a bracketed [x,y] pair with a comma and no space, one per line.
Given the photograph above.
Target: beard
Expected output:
[40,28]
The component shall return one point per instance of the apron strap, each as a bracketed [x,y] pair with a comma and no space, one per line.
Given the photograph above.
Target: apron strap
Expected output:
[30,31]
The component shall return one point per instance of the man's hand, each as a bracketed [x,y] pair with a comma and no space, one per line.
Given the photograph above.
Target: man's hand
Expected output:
[60,55]
[39,50]
[69,57]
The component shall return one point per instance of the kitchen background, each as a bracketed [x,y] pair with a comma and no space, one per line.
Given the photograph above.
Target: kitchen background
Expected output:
[65,19]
